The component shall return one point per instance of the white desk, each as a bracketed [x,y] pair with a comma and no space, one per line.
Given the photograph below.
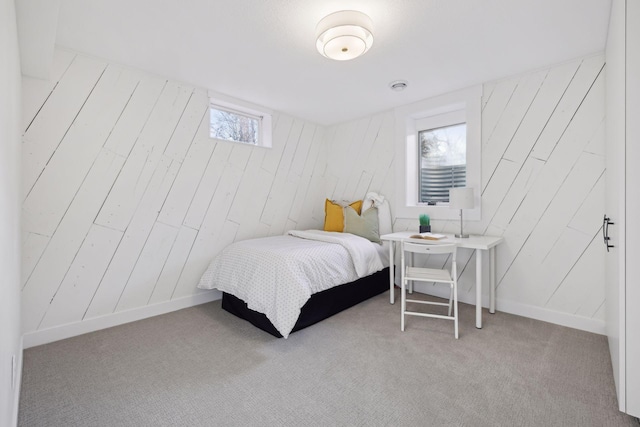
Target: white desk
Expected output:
[479,243]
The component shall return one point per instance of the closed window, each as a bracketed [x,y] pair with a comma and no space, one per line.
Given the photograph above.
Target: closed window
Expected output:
[438,149]
[234,126]
[442,162]
[237,121]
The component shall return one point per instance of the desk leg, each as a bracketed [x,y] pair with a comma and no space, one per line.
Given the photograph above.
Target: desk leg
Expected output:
[391,273]
[492,279]
[479,288]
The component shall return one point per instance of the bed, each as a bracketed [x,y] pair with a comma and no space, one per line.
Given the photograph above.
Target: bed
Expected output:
[282,284]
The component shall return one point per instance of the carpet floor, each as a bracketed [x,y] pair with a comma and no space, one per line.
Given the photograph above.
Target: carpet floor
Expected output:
[204,367]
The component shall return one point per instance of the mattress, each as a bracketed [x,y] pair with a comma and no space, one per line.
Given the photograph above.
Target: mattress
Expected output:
[277,275]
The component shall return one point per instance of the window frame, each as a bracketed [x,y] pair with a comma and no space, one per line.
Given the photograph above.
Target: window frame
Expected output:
[455,107]
[243,108]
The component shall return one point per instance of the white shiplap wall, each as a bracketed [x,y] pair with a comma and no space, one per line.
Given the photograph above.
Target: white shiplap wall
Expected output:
[542,189]
[549,176]
[126,199]
[360,158]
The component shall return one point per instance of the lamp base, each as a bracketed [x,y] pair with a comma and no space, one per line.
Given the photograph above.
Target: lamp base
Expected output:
[462,236]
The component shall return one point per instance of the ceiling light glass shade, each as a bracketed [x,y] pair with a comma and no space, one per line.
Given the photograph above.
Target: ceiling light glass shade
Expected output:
[344,35]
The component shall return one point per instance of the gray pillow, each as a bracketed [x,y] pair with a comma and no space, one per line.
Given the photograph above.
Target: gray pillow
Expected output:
[365,225]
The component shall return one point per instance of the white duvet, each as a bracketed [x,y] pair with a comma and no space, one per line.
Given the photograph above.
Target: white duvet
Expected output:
[277,275]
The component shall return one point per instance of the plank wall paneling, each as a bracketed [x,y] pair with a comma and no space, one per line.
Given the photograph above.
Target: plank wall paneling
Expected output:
[542,190]
[126,199]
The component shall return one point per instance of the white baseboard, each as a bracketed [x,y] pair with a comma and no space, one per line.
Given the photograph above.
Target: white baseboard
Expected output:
[69,330]
[32,339]
[595,326]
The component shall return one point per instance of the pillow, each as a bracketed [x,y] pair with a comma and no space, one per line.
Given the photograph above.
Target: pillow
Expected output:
[364,226]
[385,222]
[334,214]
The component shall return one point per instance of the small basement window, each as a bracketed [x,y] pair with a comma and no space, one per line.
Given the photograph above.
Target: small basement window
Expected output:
[238,121]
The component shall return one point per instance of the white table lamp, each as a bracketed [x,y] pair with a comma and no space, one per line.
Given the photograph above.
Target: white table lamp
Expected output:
[461,198]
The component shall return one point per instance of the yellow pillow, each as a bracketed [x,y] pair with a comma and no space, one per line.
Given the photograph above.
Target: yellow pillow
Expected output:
[334,214]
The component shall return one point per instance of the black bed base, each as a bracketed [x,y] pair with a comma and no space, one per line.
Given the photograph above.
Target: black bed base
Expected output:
[319,307]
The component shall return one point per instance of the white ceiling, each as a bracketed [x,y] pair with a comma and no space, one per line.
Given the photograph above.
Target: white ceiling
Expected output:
[263,51]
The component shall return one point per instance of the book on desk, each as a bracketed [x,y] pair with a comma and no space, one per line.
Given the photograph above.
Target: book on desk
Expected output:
[428,236]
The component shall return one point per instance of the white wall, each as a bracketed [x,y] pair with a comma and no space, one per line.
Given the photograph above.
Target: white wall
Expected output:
[37,26]
[10,337]
[360,158]
[542,189]
[127,199]
[632,292]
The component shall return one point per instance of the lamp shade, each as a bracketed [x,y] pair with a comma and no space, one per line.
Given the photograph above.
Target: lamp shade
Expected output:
[344,35]
[461,198]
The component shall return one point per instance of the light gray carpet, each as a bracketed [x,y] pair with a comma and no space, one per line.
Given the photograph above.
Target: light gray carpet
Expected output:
[204,367]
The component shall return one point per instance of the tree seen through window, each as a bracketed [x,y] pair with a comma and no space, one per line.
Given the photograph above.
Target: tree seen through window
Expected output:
[232,126]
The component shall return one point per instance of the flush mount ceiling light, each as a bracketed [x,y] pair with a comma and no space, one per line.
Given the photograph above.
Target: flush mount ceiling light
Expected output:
[344,35]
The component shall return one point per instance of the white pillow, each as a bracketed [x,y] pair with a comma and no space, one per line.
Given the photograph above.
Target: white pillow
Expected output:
[385,223]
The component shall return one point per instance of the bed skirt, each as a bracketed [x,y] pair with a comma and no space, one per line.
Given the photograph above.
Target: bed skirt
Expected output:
[319,307]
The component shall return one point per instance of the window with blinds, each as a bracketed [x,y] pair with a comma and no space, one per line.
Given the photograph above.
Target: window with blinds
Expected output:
[442,160]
